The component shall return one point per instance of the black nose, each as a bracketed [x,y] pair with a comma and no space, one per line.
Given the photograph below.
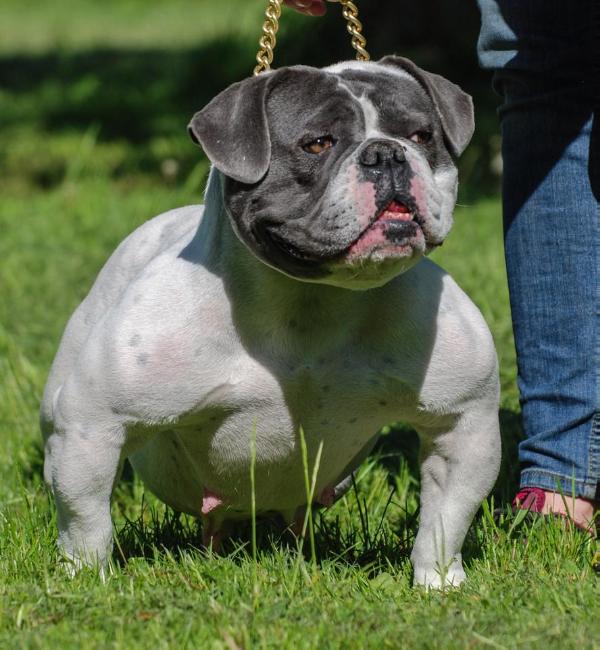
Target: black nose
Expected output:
[382,152]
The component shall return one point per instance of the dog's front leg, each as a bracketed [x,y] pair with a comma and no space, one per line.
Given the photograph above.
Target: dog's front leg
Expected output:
[458,469]
[81,468]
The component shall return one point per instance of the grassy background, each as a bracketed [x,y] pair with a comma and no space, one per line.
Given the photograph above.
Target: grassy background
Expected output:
[94,99]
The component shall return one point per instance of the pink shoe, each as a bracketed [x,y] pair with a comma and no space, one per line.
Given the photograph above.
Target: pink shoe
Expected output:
[530,498]
[535,500]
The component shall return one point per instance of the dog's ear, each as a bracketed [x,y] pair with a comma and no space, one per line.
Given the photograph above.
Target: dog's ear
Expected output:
[233,131]
[454,107]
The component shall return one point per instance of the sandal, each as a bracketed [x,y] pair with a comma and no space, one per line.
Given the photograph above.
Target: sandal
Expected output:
[534,499]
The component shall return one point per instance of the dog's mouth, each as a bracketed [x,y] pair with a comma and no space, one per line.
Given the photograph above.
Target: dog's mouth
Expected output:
[394,225]
[399,220]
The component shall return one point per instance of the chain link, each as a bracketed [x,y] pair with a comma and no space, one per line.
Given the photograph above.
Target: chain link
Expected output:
[268,40]
[354,26]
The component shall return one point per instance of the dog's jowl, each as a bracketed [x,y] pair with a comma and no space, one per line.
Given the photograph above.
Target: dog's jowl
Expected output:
[297,297]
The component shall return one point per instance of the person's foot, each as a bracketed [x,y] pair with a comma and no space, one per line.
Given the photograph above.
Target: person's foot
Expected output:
[579,510]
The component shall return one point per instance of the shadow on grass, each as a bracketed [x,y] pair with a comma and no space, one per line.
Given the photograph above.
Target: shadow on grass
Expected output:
[370,544]
[132,94]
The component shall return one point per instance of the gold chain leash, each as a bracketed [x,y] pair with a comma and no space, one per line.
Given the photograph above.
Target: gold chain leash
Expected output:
[354,26]
[268,39]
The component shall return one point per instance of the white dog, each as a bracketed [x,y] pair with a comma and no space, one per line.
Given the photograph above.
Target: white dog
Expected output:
[292,299]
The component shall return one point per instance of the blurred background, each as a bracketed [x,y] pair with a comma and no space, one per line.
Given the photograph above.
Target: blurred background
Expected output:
[95,97]
[92,87]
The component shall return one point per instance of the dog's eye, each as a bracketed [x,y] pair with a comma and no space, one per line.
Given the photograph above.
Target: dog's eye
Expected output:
[319,145]
[421,137]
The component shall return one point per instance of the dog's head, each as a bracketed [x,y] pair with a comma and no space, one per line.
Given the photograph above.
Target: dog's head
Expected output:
[343,175]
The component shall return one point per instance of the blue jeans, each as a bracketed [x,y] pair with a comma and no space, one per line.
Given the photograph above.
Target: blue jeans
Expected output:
[546,60]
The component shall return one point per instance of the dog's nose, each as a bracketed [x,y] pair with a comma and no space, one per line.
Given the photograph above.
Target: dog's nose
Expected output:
[382,152]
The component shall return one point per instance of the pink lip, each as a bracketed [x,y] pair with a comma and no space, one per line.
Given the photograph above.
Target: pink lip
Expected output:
[395,211]
[374,236]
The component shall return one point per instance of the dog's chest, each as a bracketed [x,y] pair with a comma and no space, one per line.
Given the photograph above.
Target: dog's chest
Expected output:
[336,400]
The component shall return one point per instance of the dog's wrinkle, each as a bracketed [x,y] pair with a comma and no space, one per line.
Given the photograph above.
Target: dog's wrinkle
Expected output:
[326,238]
[302,250]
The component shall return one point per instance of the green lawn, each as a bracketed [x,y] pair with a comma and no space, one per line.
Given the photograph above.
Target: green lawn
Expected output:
[94,98]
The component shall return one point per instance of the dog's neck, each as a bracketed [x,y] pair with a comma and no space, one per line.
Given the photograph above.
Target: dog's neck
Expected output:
[263,299]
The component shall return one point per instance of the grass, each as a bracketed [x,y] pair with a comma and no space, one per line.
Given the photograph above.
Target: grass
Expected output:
[93,106]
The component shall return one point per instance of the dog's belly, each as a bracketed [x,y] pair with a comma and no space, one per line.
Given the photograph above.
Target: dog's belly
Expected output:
[341,406]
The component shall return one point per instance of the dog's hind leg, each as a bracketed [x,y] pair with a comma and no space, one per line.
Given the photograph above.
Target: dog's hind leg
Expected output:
[458,469]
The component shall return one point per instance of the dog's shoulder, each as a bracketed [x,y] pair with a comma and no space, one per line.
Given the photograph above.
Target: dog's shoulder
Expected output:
[147,242]
[138,324]
[461,363]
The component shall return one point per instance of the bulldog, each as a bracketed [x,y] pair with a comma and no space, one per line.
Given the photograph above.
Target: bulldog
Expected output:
[297,299]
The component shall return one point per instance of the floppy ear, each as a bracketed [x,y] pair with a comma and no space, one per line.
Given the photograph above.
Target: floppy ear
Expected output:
[454,107]
[232,129]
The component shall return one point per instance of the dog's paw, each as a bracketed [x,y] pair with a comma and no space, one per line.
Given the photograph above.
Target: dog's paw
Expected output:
[71,566]
[436,577]
[71,561]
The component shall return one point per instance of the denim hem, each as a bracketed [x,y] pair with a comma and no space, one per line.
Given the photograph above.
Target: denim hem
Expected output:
[594,455]
[558,483]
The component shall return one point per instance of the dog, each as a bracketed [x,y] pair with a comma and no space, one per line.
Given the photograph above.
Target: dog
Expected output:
[298,298]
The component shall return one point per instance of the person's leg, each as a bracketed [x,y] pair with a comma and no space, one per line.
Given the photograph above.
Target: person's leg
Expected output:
[543,54]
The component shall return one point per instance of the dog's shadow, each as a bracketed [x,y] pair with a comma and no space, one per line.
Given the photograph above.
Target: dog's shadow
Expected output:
[360,542]
[356,540]
[363,541]
[177,535]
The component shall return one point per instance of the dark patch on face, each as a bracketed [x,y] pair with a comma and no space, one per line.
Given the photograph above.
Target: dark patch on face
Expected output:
[135,340]
[142,359]
[304,104]
[382,402]
[282,253]
[307,105]
[399,231]
[352,420]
